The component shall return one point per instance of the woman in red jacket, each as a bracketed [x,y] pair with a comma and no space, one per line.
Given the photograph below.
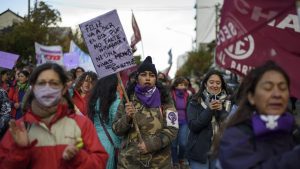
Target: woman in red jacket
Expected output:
[51,135]
[81,92]
[17,92]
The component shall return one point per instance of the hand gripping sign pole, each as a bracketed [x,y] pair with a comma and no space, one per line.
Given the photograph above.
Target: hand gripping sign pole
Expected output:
[133,117]
[148,157]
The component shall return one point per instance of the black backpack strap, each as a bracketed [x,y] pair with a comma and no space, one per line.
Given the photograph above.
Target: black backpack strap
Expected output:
[106,132]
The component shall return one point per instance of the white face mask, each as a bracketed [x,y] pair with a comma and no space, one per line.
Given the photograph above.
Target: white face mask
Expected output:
[46,95]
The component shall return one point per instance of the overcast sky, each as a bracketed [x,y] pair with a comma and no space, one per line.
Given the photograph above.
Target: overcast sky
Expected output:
[164,24]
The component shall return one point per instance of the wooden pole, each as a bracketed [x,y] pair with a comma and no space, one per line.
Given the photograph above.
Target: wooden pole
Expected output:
[133,117]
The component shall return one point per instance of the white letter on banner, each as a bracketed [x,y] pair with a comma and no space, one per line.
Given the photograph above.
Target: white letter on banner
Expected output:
[291,21]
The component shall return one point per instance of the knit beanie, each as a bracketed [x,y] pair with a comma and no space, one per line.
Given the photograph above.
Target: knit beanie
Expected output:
[147,65]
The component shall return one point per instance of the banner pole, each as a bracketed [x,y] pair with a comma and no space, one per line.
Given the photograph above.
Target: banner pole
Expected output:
[143,49]
[133,117]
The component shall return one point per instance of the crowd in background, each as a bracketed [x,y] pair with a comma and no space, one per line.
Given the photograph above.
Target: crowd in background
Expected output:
[209,123]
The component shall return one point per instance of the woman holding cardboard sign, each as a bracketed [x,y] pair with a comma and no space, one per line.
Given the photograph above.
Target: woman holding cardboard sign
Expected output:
[152,109]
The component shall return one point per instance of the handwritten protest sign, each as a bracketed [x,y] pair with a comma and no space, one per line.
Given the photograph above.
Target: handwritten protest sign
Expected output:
[8,60]
[107,44]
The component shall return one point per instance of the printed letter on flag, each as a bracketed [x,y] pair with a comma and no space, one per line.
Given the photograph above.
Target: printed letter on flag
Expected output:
[107,44]
[252,32]
[48,54]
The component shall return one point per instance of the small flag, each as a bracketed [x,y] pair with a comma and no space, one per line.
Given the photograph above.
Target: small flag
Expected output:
[136,37]
[170,57]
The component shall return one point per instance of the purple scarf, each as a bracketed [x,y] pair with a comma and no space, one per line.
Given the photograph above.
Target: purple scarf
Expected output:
[263,125]
[149,96]
[180,99]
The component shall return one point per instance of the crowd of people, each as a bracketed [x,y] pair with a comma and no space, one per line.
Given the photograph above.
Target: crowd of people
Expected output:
[53,118]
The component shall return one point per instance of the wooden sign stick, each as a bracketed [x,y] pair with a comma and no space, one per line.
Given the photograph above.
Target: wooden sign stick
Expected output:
[133,117]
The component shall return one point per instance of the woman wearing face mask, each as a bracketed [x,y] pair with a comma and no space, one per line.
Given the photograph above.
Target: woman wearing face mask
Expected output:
[50,135]
[82,90]
[206,111]
[259,135]
[180,97]
[153,110]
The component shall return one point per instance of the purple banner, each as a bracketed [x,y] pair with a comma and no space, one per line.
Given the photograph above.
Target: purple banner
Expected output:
[8,60]
[71,60]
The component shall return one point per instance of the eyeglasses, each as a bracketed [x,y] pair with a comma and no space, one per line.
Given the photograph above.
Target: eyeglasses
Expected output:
[53,84]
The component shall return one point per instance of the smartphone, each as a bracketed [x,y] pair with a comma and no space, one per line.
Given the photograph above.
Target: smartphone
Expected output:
[214,97]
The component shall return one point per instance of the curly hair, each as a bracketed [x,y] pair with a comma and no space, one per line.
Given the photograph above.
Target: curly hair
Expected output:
[89,74]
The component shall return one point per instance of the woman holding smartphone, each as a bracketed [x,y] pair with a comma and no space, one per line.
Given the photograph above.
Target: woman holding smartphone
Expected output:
[205,112]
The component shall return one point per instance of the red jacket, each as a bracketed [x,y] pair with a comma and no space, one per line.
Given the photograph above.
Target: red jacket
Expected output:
[80,102]
[13,96]
[48,143]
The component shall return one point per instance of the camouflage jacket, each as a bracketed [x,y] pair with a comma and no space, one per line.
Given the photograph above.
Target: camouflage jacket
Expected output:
[158,127]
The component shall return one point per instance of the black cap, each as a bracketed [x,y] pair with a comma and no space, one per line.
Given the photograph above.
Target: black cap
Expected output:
[147,65]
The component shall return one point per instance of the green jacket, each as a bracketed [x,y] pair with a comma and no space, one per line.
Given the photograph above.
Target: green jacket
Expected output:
[158,127]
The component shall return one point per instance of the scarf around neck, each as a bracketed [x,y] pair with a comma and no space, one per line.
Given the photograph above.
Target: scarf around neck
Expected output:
[22,86]
[268,124]
[149,96]
[180,92]
[41,111]
[207,97]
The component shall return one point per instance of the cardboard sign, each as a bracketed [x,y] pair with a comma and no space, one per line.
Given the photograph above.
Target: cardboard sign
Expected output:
[8,60]
[107,44]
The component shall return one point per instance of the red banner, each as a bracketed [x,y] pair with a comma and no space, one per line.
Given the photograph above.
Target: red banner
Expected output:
[252,32]
[136,37]
[126,73]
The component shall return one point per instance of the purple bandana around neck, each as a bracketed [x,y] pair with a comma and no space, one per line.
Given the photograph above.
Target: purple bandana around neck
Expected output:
[180,92]
[149,96]
[283,124]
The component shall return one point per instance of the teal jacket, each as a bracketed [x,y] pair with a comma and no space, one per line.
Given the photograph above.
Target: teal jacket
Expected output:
[101,133]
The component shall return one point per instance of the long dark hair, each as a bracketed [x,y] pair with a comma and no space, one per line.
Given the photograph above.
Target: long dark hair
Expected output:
[245,109]
[104,91]
[34,76]
[204,81]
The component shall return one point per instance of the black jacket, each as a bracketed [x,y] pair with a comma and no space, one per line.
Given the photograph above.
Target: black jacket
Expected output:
[201,132]
[239,148]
